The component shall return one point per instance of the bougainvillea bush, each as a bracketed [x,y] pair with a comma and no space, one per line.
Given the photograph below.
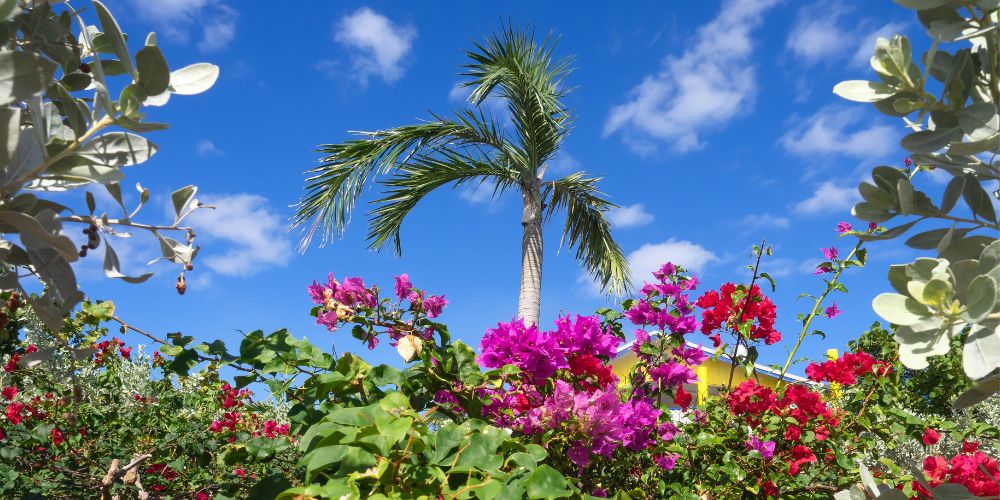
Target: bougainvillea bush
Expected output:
[87,416]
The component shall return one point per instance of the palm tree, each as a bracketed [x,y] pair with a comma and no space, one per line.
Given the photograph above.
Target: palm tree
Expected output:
[473,147]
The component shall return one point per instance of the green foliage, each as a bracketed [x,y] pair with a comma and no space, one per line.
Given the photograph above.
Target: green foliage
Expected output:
[957,130]
[107,403]
[55,85]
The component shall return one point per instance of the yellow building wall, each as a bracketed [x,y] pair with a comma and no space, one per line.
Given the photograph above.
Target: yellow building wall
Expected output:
[710,373]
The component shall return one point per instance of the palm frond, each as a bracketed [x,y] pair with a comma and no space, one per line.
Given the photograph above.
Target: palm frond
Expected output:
[423,174]
[334,187]
[588,232]
[526,74]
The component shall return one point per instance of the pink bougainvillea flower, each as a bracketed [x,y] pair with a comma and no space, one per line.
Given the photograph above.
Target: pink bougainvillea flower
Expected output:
[843,227]
[872,226]
[666,461]
[579,455]
[434,304]
[832,311]
[823,270]
[830,253]
[907,161]
[930,437]
[403,286]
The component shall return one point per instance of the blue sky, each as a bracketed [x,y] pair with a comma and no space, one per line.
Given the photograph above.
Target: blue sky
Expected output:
[713,124]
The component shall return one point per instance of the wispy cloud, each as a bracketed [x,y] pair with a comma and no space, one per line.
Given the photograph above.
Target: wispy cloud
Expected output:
[206,147]
[822,32]
[829,198]
[179,19]
[629,216]
[752,223]
[494,105]
[712,82]
[242,236]
[839,130]
[376,45]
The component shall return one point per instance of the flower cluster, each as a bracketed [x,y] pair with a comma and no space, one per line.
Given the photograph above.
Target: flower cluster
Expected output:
[234,400]
[971,468]
[106,350]
[799,409]
[721,308]
[338,303]
[846,369]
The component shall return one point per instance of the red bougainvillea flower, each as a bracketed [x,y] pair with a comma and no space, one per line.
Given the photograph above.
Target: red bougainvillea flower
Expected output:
[9,393]
[768,489]
[970,446]
[931,436]
[846,369]
[240,472]
[12,363]
[800,455]
[682,398]
[14,413]
[201,495]
[721,307]
[57,437]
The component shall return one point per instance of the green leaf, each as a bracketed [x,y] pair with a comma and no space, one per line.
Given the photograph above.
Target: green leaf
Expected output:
[981,353]
[154,74]
[112,268]
[23,74]
[991,143]
[193,79]
[935,292]
[929,141]
[978,199]
[546,482]
[10,131]
[180,199]
[905,191]
[103,311]
[981,297]
[8,9]
[871,213]
[863,91]
[990,258]
[114,37]
[899,309]
[984,389]
[952,192]
[118,149]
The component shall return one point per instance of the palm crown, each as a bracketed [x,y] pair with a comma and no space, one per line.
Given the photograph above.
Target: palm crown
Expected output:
[474,147]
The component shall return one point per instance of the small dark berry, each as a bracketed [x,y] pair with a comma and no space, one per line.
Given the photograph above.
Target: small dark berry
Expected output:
[188,267]
[84,67]
[86,231]
[83,253]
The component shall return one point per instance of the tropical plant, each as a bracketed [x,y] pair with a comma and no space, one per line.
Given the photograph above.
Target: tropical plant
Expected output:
[475,147]
[98,416]
[55,108]
[938,298]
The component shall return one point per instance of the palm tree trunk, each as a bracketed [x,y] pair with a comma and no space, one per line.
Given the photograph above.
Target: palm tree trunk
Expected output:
[529,302]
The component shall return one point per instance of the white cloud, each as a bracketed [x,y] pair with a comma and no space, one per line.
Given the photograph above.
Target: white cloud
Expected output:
[629,216]
[218,30]
[755,222]
[651,256]
[477,192]
[710,83]
[206,147]
[242,236]
[829,198]
[178,18]
[816,38]
[836,130]
[379,46]
[823,31]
